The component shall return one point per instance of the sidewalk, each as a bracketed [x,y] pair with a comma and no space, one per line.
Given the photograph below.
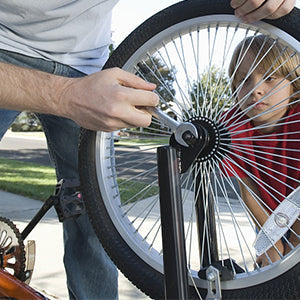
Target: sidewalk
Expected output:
[49,275]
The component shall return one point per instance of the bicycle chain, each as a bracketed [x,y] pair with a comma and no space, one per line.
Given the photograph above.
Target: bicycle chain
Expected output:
[12,250]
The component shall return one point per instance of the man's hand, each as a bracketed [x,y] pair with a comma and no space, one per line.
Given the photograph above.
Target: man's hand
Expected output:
[254,10]
[108,100]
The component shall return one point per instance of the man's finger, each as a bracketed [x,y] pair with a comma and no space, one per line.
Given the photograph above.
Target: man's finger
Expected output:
[130,80]
[138,118]
[263,12]
[248,7]
[255,10]
[237,3]
[283,10]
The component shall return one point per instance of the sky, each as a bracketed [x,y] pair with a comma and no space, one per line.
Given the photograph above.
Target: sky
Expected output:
[128,14]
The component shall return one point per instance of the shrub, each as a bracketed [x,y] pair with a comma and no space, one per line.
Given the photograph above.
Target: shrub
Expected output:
[26,121]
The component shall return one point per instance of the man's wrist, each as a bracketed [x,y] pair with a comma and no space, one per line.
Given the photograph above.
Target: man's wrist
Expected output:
[30,90]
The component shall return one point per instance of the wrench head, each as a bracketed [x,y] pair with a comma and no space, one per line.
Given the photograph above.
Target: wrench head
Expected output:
[182,129]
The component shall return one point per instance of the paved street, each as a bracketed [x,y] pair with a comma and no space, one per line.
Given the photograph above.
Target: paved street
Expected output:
[28,149]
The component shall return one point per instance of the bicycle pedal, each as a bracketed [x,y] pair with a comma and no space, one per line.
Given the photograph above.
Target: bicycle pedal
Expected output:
[69,202]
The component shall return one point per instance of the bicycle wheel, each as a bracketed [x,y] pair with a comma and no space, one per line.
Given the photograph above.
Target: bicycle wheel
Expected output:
[186,49]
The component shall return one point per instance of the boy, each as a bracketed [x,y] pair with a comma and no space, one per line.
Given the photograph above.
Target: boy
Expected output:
[265,131]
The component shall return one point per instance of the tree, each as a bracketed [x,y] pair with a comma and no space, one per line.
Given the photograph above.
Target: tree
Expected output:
[155,71]
[26,121]
[212,92]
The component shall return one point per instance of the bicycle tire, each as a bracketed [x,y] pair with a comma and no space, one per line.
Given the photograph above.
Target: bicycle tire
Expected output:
[148,277]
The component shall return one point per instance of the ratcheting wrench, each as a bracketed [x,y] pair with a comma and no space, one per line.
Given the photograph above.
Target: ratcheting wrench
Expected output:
[178,128]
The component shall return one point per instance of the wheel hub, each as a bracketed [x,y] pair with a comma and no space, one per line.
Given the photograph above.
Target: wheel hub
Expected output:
[217,135]
[213,140]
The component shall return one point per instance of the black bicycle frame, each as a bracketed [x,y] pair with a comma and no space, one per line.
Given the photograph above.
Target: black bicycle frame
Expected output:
[172,223]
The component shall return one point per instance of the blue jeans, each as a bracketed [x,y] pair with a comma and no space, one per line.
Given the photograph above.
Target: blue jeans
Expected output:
[90,273]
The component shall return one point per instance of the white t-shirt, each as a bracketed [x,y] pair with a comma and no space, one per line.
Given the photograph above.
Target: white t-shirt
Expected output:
[72,32]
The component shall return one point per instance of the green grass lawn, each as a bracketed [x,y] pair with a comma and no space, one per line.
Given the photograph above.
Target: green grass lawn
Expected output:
[38,181]
[143,141]
[27,179]
[133,188]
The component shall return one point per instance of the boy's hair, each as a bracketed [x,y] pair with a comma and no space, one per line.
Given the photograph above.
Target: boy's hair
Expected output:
[274,55]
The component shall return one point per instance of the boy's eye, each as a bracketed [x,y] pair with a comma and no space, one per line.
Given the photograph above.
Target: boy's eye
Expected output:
[270,78]
[242,80]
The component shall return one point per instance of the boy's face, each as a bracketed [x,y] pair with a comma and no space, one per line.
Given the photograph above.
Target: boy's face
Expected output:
[272,94]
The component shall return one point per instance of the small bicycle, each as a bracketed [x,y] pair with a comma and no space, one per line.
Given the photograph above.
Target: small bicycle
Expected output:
[186,50]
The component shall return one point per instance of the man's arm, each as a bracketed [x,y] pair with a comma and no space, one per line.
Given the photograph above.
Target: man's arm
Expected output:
[106,100]
[254,10]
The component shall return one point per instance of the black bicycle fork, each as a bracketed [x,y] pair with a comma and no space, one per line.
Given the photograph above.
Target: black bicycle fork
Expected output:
[173,239]
[171,212]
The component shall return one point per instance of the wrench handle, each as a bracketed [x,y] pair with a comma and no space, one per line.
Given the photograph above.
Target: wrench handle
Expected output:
[163,117]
